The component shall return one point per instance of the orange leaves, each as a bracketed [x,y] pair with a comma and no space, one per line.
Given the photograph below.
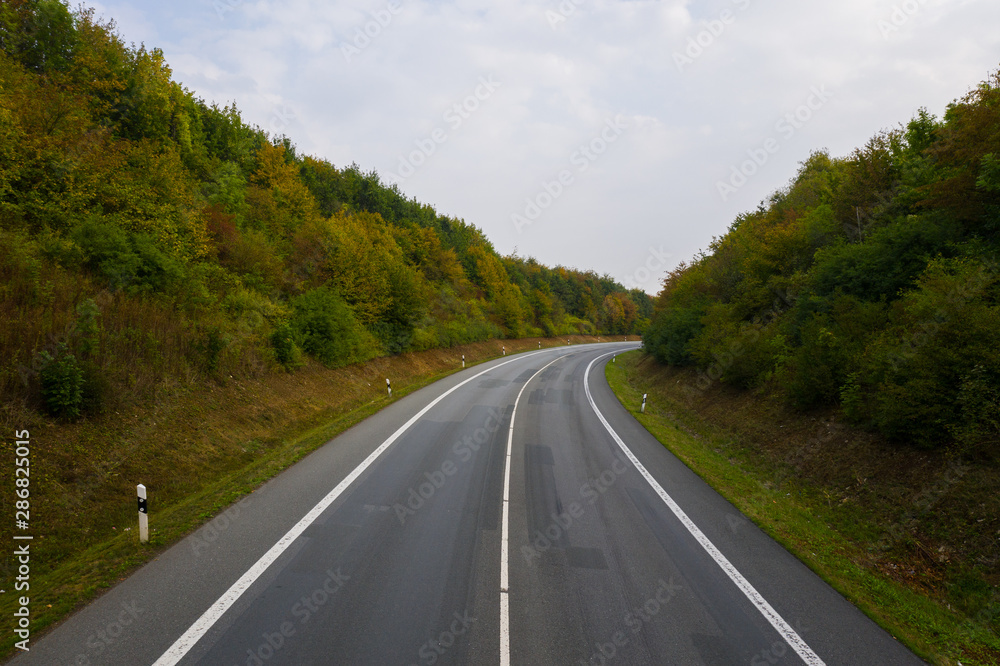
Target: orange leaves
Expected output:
[618,313]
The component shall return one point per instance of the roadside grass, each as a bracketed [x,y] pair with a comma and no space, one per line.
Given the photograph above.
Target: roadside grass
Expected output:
[860,541]
[198,448]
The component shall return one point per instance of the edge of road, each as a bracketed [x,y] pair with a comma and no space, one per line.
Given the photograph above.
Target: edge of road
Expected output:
[407,410]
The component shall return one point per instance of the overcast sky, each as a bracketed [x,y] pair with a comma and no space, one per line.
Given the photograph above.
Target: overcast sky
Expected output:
[612,135]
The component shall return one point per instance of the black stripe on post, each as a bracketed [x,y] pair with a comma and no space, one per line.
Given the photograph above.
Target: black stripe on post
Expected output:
[142,505]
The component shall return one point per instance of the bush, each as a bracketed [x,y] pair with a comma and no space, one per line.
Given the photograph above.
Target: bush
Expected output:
[285,350]
[932,374]
[209,345]
[126,260]
[668,335]
[324,326]
[62,383]
[889,260]
[739,353]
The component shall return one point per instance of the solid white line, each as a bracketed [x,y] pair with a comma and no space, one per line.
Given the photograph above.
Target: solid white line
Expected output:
[771,615]
[195,632]
[505,530]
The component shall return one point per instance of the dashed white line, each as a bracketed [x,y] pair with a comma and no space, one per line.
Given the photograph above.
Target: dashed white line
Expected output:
[201,626]
[505,531]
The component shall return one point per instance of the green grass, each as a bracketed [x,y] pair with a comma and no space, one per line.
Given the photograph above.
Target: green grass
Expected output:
[832,538]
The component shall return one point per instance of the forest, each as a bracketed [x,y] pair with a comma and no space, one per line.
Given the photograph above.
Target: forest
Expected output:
[869,284]
[146,234]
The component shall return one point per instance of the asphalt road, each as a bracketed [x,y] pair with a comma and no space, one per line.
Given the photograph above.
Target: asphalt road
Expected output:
[436,533]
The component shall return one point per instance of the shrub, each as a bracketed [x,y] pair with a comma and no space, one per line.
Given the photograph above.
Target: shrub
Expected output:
[285,350]
[888,260]
[210,346]
[739,353]
[126,260]
[62,382]
[324,326]
[932,374]
[668,335]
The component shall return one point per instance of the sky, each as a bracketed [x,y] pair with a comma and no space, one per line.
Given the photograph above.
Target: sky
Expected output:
[618,136]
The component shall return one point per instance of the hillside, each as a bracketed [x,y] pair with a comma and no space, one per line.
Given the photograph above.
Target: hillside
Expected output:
[869,282]
[862,300]
[147,235]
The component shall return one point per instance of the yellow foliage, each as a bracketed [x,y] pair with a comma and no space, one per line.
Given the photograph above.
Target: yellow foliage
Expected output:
[277,197]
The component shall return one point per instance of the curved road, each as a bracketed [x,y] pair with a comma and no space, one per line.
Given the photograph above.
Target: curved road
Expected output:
[511,513]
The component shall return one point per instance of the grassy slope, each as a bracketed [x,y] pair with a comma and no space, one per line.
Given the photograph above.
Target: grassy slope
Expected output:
[842,501]
[197,448]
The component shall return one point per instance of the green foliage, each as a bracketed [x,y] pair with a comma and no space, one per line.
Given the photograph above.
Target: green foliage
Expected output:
[62,382]
[670,333]
[199,234]
[41,34]
[868,281]
[126,261]
[324,326]
[737,352]
[942,342]
[87,328]
[887,262]
[286,351]
[828,345]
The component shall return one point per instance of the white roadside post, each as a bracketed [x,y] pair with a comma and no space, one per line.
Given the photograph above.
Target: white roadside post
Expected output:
[143,514]
[388,386]
[504,347]
[642,409]
[463,360]
[539,345]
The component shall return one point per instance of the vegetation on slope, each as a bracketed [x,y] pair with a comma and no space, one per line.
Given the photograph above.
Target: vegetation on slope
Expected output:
[866,291]
[869,282]
[147,235]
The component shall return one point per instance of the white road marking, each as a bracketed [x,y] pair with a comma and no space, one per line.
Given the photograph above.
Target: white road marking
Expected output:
[771,615]
[505,531]
[201,626]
